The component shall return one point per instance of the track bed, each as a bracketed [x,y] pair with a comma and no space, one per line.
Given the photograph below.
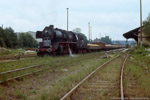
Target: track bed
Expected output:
[104,84]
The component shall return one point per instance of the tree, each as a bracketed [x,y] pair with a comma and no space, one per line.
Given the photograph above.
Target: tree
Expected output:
[146,28]
[2,43]
[97,40]
[10,38]
[84,37]
[27,40]
[1,32]
[30,40]
[21,40]
[106,40]
[78,31]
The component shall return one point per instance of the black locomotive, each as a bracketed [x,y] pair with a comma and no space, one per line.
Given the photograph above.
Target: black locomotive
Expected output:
[57,41]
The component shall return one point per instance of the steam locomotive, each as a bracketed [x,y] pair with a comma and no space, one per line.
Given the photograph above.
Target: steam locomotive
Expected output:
[57,41]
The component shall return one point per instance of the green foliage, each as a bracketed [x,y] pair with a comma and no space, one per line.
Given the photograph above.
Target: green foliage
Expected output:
[66,83]
[9,39]
[20,95]
[140,54]
[44,96]
[140,75]
[26,40]
[106,40]
[146,25]
[84,37]
[78,30]
[140,51]
[2,43]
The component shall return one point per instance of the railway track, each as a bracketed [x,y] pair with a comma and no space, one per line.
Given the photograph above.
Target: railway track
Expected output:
[121,80]
[34,55]
[17,57]
[13,74]
[104,83]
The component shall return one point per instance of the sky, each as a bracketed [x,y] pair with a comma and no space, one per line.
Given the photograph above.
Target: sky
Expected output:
[107,17]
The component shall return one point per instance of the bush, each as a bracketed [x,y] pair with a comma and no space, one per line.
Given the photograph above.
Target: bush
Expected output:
[2,43]
[139,50]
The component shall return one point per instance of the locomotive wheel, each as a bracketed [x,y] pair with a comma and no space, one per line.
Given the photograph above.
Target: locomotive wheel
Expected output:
[80,51]
[40,54]
[54,54]
[46,55]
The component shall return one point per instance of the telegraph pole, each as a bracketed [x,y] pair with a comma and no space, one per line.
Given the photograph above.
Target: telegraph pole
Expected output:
[91,33]
[89,29]
[141,22]
[99,36]
[67,20]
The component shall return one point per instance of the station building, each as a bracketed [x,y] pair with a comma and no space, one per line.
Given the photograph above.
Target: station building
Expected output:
[136,34]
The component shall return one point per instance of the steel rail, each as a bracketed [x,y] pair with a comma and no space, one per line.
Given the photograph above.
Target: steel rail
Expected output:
[32,71]
[9,79]
[19,69]
[25,56]
[121,80]
[75,87]
[32,55]
[24,68]
[28,73]
[134,62]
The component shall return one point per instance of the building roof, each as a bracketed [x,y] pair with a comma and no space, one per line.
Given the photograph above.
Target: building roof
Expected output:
[132,34]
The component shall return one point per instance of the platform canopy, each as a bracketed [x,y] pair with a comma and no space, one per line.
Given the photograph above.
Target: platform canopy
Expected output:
[132,34]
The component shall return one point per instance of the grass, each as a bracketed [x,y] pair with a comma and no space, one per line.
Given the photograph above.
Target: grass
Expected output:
[10,52]
[2,94]
[27,62]
[85,63]
[39,60]
[65,62]
[20,95]
[69,81]
[44,96]
[140,55]
[136,76]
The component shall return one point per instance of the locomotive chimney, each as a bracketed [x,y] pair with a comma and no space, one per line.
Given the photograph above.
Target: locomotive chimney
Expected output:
[51,26]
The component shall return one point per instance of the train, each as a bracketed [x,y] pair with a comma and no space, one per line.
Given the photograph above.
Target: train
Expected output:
[57,41]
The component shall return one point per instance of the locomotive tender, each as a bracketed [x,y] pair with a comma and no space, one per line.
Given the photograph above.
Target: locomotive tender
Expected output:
[57,41]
